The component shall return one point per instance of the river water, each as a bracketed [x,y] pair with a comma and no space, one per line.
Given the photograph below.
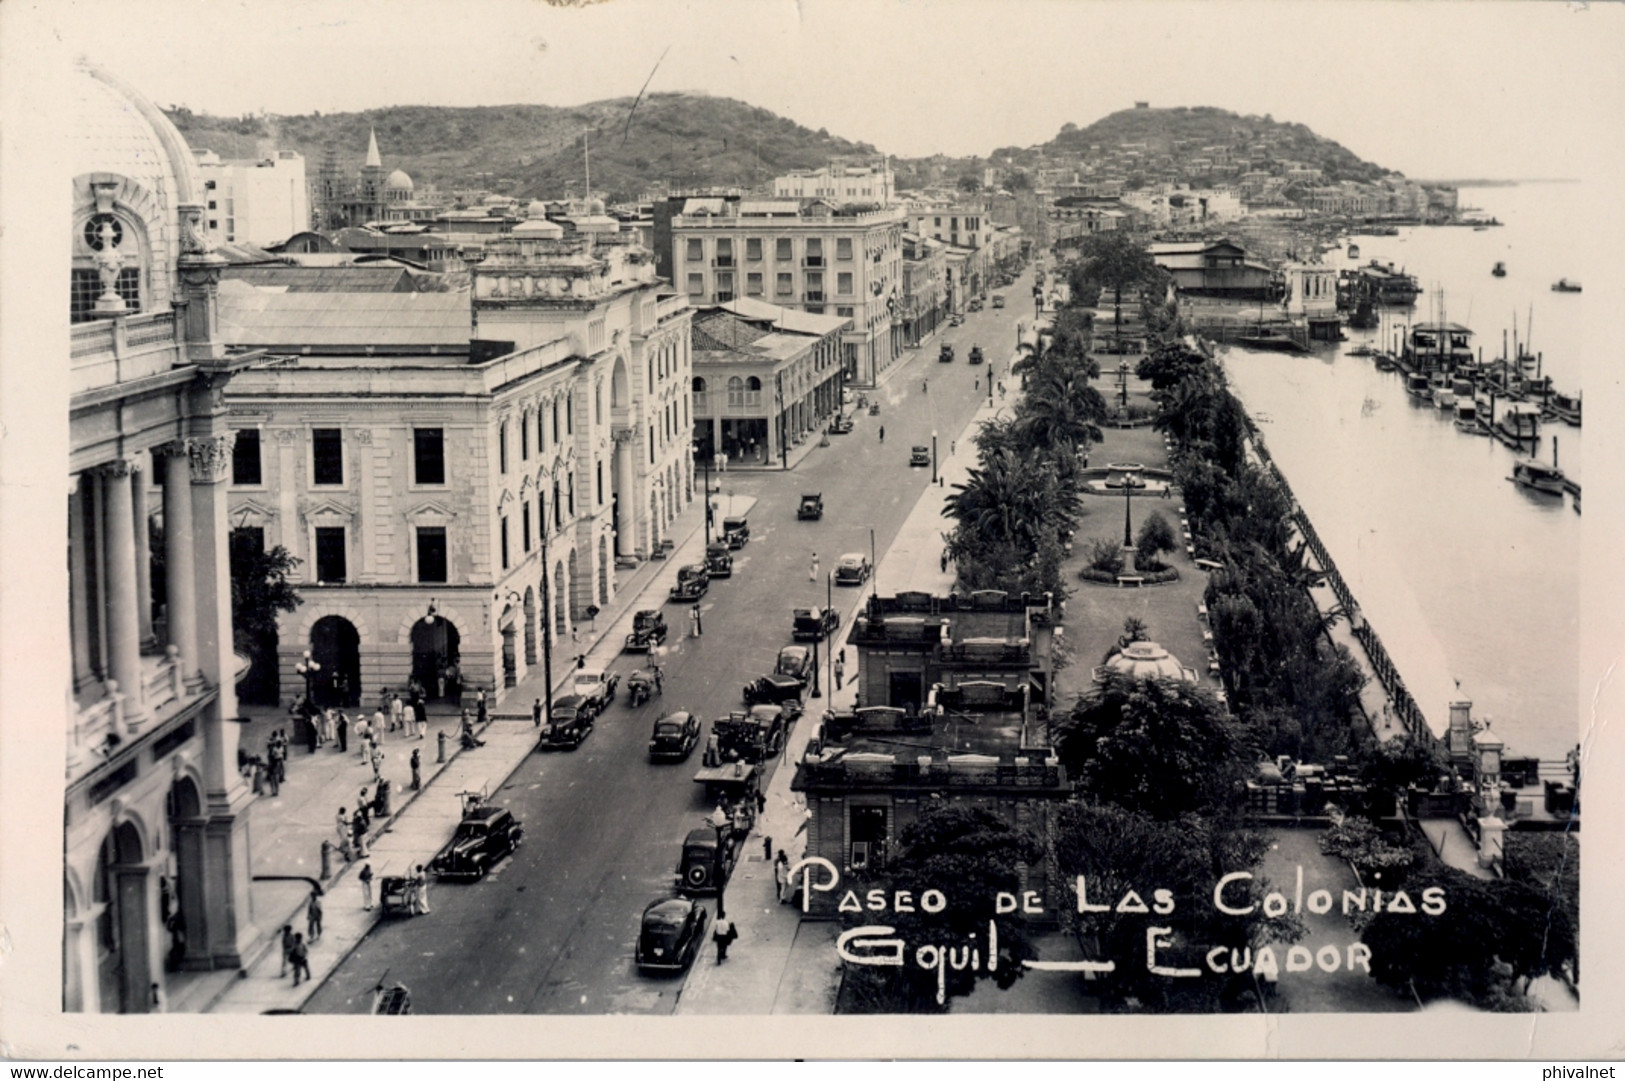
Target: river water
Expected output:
[1470,580]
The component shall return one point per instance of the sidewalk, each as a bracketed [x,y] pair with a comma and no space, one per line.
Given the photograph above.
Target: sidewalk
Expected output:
[290,827]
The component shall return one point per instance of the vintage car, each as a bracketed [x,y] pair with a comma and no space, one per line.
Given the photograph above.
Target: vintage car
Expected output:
[919,455]
[998,299]
[812,624]
[485,835]
[699,867]
[956,320]
[671,934]
[718,562]
[795,662]
[852,569]
[596,687]
[648,631]
[752,736]
[736,531]
[841,425]
[945,355]
[775,690]
[812,506]
[568,725]
[692,582]
[674,736]
[975,304]
[976,354]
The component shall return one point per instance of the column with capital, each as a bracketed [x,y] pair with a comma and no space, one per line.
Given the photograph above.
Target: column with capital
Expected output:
[123,621]
[143,552]
[180,591]
[625,528]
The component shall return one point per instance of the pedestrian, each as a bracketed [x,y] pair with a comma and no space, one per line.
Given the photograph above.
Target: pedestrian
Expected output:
[761,806]
[812,571]
[840,668]
[342,822]
[300,956]
[342,725]
[380,723]
[882,433]
[724,461]
[397,713]
[723,936]
[536,713]
[363,807]
[710,757]
[257,764]
[366,887]
[420,710]
[660,681]
[363,732]
[479,705]
[313,734]
[417,765]
[358,831]
[377,765]
[782,877]
[694,622]
[422,878]
[313,916]
[699,619]
[329,727]
[925,386]
[977,384]
[287,948]
[945,561]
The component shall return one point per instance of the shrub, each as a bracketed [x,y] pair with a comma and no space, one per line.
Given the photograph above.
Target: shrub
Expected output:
[1156,536]
[1104,556]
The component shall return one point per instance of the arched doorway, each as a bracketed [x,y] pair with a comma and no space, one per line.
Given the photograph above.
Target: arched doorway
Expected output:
[603,570]
[654,520]
[123,975]
[530,626]
[336,646]
[510,635]
[435,643]
[180,904]
[575,586]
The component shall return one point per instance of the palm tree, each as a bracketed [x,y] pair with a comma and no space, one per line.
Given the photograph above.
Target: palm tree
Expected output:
[1061,412]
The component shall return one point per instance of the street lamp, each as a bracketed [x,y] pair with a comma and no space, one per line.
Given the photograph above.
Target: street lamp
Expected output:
[706,463]
[309,669]
[829,654]
[1128,495]
[933,455]
[719,821]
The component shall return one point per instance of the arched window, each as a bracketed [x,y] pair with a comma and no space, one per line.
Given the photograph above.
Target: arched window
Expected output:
[753,383]
[502,446]
[524,438]
[598,404]
[699,385]
[736,390]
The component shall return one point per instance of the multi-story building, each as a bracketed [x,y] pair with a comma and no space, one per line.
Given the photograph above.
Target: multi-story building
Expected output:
[259,201]
[953,696]
[840,182]
[452,469]
[764,379]
[156,815]
[925,287]
[821,258]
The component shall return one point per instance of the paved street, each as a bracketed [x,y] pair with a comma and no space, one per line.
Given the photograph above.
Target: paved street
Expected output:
[552,929]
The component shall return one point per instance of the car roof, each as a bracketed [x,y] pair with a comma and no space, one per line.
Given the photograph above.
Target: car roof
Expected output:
[805,612]
[569,701]
[670,907]
[701,835]
[793,651]
[485,813]
[648,613]
[853,557]
[920,446]
[680,717]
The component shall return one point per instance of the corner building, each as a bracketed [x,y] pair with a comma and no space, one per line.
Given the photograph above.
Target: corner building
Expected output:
[157,823]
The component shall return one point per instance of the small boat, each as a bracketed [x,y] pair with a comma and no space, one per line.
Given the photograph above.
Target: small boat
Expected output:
[1539,476]
[1564,407]
[1270,339]
[1520,423]
[1563,285]
[1416,385]
[1361,351]
[1500,270]
[1354,251]
[1467,417]
[1385,362]
[1441,391]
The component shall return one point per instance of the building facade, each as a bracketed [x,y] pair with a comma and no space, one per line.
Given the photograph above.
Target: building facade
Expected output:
[764,380]
[823,259]
[840,183]
[156,815]
[925,287]
[258,201]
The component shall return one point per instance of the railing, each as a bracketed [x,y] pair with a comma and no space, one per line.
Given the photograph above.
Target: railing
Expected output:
[146,329]
[815,296]
[91,338]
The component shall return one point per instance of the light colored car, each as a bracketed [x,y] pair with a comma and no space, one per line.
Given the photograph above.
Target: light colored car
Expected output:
[596,686]
[852,569]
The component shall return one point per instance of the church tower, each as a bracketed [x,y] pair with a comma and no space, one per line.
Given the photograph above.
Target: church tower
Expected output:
[371,195]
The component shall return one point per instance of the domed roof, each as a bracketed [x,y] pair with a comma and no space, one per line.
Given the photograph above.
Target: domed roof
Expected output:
[536,209]
[398,181]
[1147,660]
[595,206]
[115,129]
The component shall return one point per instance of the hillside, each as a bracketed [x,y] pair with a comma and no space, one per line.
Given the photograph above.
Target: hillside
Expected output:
[1181,133]
[687,140]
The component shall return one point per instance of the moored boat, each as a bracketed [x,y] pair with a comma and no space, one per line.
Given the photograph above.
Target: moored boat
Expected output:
[1538,475]
[1361,351]
[1519,423]
[1441,391]
[1565,407]
[1563,285]
[1416,385]
[1385,362]
[1500,270]
[1467,416]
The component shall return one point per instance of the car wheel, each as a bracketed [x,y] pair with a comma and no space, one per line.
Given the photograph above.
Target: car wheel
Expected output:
[697,876]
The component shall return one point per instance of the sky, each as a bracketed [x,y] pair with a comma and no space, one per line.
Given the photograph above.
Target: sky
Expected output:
[1436,90]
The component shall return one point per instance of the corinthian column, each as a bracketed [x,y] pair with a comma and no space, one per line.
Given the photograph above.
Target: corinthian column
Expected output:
[179,556]
[123,621]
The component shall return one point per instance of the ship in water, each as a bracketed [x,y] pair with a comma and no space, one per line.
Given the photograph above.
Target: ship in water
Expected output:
[1563,285]
[1538,475]
[1384,285]
[1499,270]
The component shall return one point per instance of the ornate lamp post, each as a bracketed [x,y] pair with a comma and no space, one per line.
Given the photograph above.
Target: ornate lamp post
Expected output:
[1128,496]
[719,821]
[933,455]
[309,670]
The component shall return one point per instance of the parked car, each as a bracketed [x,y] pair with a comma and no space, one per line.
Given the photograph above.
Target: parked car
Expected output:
[698,867]
[852,569]
[841,425]
[737,532]
[718,562]
[648,630]
[919,456]
[945,355]
[674,736]
[956,320]
[568,725]
[775,690]
[752,736]
[692,582]
[976,354]
[596,687]
[794,661]
[998,298]
[812,507]
[485,835]
[812,624]
[671,934]
[975,304]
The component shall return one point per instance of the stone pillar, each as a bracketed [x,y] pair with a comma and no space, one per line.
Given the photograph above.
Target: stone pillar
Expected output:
[143,551]
[1490,840]
[625,528]
[78,963]
[179,558]
[123,622]
[78,581]
[189,840]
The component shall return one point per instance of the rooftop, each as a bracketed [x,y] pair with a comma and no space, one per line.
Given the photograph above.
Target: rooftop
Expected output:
[251,317]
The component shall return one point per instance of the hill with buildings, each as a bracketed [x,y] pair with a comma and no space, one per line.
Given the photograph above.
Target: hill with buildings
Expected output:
[679,139]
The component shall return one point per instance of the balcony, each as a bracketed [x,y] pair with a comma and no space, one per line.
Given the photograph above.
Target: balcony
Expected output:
[101,729]
[724,262]
[815,262]
[885,771]
[111,351]
[815,296]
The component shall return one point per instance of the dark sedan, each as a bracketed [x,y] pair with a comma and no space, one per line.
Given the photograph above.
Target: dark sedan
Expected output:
[484,836]
[568,725]
[812,624]
[674,737]
[671,934]
[794,662]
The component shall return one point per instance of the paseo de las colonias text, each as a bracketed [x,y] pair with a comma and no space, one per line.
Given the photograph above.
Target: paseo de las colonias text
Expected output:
[877,944]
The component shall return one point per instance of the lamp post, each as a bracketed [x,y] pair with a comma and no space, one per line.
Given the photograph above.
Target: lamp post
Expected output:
[933,455]
[309,669]
[829,654]
[1128,495]
[706,463]
[719,821]
[815,692]
[784,422]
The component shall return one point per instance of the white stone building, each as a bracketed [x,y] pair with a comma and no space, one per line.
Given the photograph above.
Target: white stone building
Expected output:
[260,201]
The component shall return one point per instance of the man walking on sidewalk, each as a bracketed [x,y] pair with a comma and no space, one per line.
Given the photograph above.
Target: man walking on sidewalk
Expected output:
[287,948]
[840,668]
[300,956]
[417,765]
[366,887]
[313,917]
[723,936]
